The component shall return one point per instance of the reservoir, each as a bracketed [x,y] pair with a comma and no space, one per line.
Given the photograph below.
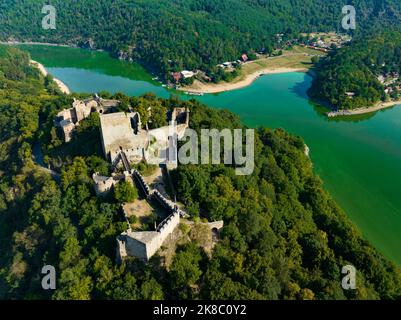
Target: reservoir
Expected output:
[359,158]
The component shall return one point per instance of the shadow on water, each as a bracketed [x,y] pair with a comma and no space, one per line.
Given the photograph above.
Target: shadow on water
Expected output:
[301,88]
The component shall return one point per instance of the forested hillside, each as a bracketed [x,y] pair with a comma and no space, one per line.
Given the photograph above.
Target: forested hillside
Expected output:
[185,34]
[284,237]
[362,74]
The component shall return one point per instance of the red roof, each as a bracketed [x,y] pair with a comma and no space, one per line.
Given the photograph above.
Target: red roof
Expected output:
[176,76]
[244,57]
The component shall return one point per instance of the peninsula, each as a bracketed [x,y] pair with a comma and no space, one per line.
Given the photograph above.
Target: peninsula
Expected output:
[362,77]
[379,106]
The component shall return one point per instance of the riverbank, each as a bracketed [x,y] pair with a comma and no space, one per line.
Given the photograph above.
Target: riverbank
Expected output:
[200,87]
[61,85]
[359,111]
[297,59]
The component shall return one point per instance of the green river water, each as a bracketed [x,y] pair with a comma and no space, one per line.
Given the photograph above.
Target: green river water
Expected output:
[359,159]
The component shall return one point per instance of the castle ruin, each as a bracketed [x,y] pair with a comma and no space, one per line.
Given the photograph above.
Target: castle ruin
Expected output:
[125,141]
[123,132]
[68,119]
[144,244]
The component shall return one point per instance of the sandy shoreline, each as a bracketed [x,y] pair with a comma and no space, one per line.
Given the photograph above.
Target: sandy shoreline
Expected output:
[12,43]
[379,106]
[199,87]
[63,88]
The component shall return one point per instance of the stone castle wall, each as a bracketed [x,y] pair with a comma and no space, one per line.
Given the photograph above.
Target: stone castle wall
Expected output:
[143,245]
[144,186]
[68,119]
[103,185]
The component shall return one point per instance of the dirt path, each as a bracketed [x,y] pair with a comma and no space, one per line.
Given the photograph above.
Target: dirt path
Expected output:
[37,157]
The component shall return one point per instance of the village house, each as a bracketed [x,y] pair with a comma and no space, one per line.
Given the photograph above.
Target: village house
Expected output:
[176,76]
[187,74]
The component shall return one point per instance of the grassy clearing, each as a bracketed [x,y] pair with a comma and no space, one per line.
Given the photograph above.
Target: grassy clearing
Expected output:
[296,58]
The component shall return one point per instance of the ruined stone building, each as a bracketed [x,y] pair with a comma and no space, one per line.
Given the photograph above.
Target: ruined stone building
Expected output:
[125,141]
[141,244]
[144,244]
[103,185]
[123,132]
[68,119]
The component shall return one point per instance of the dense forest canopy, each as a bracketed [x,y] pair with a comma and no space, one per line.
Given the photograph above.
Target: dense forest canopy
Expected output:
[186,34]
[361,74]
[284,237]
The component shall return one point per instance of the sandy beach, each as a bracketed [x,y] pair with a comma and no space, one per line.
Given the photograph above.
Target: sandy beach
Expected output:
[379,106]
[199,87]
[63,88]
